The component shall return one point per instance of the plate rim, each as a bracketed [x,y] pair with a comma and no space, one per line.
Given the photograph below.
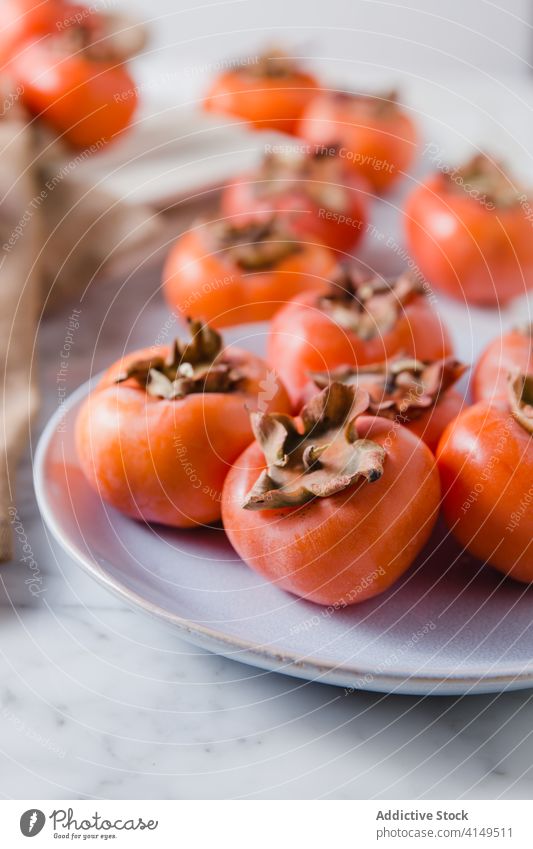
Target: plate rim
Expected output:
[288,663]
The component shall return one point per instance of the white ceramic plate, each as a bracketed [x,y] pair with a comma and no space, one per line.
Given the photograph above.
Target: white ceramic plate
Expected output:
[449,627]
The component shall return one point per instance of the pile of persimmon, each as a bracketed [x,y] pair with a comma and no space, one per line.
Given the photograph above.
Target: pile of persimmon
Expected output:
[358,321]
[328,464]
[69,61]
[234,273]
[335,503]
[324,200]
[469,231]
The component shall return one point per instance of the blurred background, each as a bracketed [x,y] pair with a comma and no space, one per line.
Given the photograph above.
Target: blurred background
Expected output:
[463,68]
[424,38]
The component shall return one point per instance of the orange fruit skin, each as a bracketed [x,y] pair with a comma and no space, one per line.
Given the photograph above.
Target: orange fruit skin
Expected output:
[432,424]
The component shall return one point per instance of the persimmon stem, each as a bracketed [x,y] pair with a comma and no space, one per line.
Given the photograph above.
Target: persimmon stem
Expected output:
[401,385]
[190,367]
[490,179]
[365,306]
[256,246]
[315,455]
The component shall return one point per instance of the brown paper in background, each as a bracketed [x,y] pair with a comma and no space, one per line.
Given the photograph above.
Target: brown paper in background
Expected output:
[19,305]
[56,235]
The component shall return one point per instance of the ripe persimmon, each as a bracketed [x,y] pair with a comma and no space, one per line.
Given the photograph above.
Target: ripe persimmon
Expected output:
[485,459]
[324,199]
[359,321]
[511,352]
[232,274]
[468,230]
[77,80]
[158,434]
[332,506]
[269,93]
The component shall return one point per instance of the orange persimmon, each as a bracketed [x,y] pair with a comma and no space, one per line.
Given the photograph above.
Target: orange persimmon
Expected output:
[158,435]
[332,506]
[468,230]
[77,80]
[485,459]
[511,352]
[270,93]
[232,274]
[360,321]
[324,200]
[375,134]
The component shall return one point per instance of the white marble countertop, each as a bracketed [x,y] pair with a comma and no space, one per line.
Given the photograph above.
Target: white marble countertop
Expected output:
[98,701]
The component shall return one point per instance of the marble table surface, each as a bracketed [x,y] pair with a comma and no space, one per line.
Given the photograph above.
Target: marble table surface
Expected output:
[97,701]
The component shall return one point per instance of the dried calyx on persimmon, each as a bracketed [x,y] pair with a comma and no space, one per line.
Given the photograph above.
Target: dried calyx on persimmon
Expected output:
[368,306]
[315,455]
[257,245]
[190,367]
[403,385]
[318,175]
[376,105]
[101,37]
[490,180]
[274,63]
[521,399]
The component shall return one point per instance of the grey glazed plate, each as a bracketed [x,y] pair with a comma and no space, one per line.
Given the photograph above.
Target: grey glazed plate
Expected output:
[450,626]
